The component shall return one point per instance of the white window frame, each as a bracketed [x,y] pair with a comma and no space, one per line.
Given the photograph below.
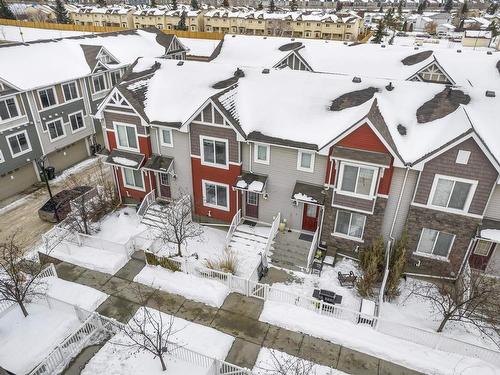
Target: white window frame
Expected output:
[132,186]
[27,140]
[77,91]
[431,254]
[299,159]
[468,201]
[19,114]
[105,83]
[202,152]
[2,159]
[55,97]
[71,125]
[489,244]
[204,183]
[256,153]
[463,157]
[171,144]
[115,127]
[343,235]
[62,127]
[113,73]
[354,194]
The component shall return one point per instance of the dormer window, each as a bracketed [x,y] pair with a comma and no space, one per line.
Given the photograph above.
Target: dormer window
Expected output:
[106,59]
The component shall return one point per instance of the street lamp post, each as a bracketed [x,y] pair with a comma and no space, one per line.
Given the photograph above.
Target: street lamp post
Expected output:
[41,165]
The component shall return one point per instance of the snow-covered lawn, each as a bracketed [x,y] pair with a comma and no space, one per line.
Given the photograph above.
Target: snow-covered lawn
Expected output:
[367,340]
[120,225]
[210,292]
[114,359]
[13,33]
[76,294]
[269,361]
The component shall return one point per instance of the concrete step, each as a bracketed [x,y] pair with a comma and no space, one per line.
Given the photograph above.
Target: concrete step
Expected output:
[248,236]
[288,265]
[300,261]
[249,231]
[290,249]
[247,242]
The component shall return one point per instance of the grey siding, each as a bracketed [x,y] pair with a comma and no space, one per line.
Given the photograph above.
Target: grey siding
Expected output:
[353,202]
[392,202]
[282,175]
[478,168]
[197,130]
[68,155]
[182,184]
[112,117]
[493,209]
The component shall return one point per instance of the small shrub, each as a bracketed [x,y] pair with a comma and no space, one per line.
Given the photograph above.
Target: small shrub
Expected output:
[371,261]
[164,262]
[397,265]
[227,262]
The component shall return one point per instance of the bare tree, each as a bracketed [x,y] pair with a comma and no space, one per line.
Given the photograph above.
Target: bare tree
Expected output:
[176,225]
[18,277]
[284,364]
[474,298]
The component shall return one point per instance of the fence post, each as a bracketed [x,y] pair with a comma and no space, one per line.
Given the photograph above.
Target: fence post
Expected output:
[320,307]
[78,239]
[53,269]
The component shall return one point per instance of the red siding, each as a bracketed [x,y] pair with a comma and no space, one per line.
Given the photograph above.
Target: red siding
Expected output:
[363,138]
[224,176]
[132,193]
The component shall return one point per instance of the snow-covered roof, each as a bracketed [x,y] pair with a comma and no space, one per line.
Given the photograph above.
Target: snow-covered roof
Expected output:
[478,34]
[17,65]
[315,109]
[314,16]
[200,47]
[110,9]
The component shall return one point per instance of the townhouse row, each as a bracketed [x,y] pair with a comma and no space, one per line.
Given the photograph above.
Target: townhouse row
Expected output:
[352,158]
[47,103]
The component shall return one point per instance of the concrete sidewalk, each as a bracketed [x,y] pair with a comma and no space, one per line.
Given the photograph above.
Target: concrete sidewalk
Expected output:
[238,316]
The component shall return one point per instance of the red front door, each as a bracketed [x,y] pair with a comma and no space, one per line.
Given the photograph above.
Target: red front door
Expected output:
[310,218]
[481,255]
[165,185]
[252,205]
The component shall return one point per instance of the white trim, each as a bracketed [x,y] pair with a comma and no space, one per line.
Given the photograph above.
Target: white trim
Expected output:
[171,144]
[53,88]
[463,157]
[299,160]
[78,94]
[468,201]
[62,127]
[117,138]
[19,114]
[71,125]
[368,196]
[2,159]
[256,153]
[205,204]
[431,255]
[360,162]
[27,141]
[346,236]
[131,186]
[202,152]
[94,92]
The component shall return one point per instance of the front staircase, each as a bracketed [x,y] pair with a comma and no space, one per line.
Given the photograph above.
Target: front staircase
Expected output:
[248,238]
[153,214]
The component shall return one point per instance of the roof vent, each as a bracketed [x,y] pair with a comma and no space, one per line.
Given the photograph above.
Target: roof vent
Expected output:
[382,45]
[415,48]
[489,53]
[389,87]
[356,80]
[265,71]
[239,73]
[401,129]
[180,63]
[490,94]
[459,51]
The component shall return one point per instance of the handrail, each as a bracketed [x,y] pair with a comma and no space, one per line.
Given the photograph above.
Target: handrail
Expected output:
[312,249]
[234,223]
[147,201]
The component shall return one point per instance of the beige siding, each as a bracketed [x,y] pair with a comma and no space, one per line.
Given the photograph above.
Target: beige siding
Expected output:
[15,182]
[68,156]
[493,209]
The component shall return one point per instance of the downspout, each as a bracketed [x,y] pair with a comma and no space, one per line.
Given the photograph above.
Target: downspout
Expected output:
[117,184]
[250,157]
[399,202]
[158,135]
[332,162]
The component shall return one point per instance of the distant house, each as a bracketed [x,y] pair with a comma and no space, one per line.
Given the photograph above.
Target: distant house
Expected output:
[445,29]
[476,38]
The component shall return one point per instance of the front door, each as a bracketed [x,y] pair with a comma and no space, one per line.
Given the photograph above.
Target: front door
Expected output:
[310,218]
[165,185]
[481,254]
[252,205]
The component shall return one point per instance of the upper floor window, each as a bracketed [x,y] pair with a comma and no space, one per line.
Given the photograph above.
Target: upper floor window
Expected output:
[19,143]
[305,161]
[47,97]
[56,129]
[76,121]
[126,136]
[115,77]
[70,91]
[262,153]
[451,192]
[214,151]
[435,243]
[356,179]
[166,138]
[99,83]
[8,109]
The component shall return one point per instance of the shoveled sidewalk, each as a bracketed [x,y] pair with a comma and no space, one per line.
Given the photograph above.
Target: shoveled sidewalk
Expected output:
[238,316]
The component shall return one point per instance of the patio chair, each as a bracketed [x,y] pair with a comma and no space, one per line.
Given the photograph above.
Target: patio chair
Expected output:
[347,279]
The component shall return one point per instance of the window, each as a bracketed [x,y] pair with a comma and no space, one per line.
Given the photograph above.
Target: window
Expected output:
[19,143]
[350,225]
[8,109]
[433,242]
[1,157]
[115,77]
[70,91]
[166,138]
[252,198]
[451,193]
[433,74]
[305,161]
[99,83]
[76,121]
[214,152]
[357,180]
[133,178]
[262,154]
[483,248]
[216,195]
[56,129]
[164,180]
[463,157]
[47,97]
[126,136]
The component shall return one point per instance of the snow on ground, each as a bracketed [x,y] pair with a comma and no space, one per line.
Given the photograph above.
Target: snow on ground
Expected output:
[210,292]
[74,169]
[28,34]
[200,47]
[115,359]
[76,294]
[269,361]
[120,225]
[25,342]
[367,340]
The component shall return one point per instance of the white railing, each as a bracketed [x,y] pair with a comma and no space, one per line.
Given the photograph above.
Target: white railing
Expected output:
[103,244]
[147,201]
[234,223]
[272,233]
[312,249]
[86,198]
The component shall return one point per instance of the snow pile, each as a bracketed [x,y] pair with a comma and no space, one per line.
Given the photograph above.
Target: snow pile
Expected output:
[241,184]
[75,169]
[120,226]
[200,47]
[303,197]
[124,161]
[210,292]
[491,234]
[256,186]
[28,34]
[76,294]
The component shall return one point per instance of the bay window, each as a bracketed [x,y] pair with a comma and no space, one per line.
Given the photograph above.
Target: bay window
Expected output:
[357,180]
[214,152]
[452,193]
[126,136]
[216,195]
[435,243]
[350,225]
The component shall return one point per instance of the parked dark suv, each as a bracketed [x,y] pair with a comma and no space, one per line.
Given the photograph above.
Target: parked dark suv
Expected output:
[62,201]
